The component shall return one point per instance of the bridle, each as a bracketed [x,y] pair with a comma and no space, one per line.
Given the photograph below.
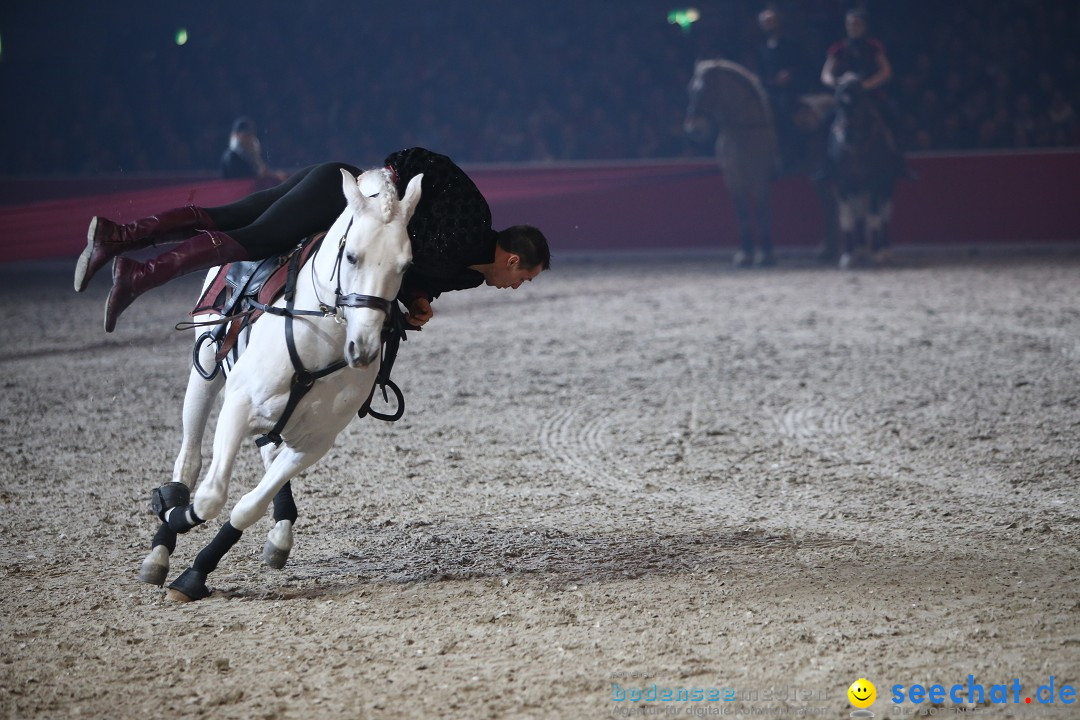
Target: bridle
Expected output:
[304,379]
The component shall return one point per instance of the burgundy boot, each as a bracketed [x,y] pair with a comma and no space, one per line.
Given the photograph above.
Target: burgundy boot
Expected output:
[105,239]
[131,278]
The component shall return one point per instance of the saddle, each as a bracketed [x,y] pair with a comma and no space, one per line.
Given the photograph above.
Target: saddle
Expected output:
[237,284]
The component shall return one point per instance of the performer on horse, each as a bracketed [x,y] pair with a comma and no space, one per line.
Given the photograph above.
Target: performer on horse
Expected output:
[864,56]
[454,245]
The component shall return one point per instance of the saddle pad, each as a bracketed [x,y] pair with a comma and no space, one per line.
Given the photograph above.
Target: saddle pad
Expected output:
[264,280]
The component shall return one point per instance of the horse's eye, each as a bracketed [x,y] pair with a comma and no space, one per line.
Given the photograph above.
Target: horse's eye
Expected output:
[351,258]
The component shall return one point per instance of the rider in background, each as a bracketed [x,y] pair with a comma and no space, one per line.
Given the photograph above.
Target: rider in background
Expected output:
[864,56]
[780,66]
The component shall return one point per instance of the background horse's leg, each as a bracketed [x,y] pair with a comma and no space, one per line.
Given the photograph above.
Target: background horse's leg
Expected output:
[882,243]
[845,221]
[191,585]
[762,203]
[198,401]
[744,256]
[828,250]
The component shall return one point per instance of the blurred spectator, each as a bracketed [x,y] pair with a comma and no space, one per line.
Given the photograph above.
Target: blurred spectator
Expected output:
[244,156]
[782,68]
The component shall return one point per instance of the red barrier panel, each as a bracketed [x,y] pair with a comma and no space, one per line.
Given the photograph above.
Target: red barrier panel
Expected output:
[959,199]
[57,228]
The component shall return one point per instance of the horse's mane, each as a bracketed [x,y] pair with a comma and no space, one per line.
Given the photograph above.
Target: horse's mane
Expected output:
[720,66]
[384,189]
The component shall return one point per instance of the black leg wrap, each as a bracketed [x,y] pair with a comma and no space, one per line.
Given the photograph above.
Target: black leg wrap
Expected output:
[207,559]
[182,519]
[191,583]
[284,506]
[166,536]
[169,495]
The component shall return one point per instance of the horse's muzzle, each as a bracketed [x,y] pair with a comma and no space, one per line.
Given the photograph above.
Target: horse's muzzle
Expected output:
[360,355]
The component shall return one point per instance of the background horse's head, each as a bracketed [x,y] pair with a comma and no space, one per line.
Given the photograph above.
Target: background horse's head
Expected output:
[373,254]
[725,96]
[854,106]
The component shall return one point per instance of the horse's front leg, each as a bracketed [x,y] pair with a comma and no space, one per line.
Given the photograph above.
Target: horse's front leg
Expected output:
[191,585]
[745,256]
[233,426]
[198,401]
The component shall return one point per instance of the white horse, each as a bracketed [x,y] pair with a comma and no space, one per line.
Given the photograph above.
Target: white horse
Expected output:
[347,291]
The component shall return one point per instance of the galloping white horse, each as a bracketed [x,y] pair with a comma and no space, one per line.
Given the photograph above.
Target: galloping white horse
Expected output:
[353,285]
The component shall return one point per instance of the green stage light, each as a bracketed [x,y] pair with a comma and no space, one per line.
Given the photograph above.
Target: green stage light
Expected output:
[181,36]
[684,18]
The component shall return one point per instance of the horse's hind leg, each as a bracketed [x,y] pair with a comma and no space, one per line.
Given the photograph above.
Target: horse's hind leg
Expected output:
[279,541]
[745,256]
[764,256]
[198,402]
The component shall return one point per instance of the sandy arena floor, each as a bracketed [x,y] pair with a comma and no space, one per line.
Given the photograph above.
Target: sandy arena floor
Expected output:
[632,471]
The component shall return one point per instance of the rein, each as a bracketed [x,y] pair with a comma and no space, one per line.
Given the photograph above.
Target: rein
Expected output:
[304,379]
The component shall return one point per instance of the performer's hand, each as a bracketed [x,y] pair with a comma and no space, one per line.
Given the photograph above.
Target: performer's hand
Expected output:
[419,311]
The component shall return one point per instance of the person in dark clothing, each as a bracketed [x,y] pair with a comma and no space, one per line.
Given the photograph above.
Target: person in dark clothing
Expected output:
[454,246]
[244,156]
[780,64]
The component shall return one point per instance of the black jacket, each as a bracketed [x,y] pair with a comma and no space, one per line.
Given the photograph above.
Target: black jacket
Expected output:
[451,228]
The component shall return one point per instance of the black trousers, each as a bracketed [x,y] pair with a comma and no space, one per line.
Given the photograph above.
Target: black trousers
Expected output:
[271,221]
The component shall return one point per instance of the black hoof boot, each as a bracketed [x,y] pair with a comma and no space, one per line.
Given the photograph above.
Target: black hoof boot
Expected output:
[191,585]
[169,495]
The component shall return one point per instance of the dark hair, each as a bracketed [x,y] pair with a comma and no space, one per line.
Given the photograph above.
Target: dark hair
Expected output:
[243,124]
[860,13]
[528,243]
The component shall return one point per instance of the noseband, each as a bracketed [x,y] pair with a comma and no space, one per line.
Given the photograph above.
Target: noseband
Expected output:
[352,300]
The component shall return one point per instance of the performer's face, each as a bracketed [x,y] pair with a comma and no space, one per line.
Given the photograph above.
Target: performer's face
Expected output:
[856,28]
[511,274]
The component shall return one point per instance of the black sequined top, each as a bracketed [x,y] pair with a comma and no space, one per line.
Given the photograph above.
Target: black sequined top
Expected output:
[451,228]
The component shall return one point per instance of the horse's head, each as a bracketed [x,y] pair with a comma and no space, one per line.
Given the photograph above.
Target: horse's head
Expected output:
[373,254]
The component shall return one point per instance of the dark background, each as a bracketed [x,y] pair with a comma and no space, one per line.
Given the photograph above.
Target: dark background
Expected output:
[104,88]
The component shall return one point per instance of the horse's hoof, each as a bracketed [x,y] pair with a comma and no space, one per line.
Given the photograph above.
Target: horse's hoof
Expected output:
[274,556]
[177,596]
[191,585]
[152,571]
[764,259]
[846,261]
[169,495]
[279,542]
[742,259]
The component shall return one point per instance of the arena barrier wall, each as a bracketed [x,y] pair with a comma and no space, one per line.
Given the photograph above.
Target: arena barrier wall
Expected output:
[958,199]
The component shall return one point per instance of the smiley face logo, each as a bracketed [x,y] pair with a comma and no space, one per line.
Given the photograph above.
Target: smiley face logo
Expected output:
[862,693]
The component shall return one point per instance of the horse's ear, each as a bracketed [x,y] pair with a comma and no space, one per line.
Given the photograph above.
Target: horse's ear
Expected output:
[349,186]
[412,196]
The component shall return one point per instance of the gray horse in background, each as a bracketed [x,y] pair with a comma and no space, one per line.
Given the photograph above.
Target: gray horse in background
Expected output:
[729,100]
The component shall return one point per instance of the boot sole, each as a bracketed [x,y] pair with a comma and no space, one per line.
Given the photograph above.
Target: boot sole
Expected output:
[81,281]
